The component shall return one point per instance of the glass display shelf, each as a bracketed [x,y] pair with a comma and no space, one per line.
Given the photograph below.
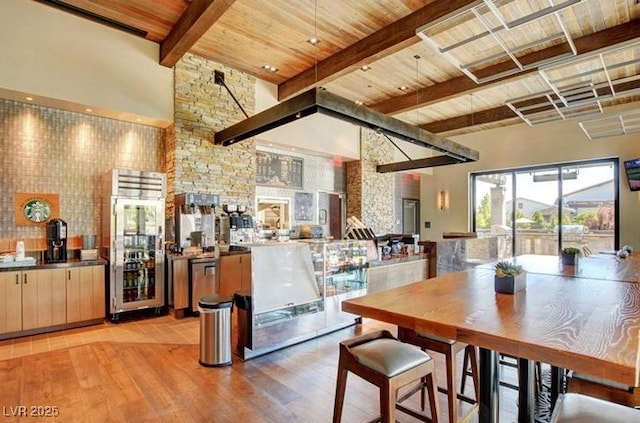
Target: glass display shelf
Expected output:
[288,313]
[341,266]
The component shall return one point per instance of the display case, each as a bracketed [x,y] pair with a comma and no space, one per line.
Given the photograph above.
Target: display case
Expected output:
[297,290]
[340,266]
[340,269]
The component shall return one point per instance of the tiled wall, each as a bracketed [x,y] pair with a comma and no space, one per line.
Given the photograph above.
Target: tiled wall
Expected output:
[407,185]
[45,150]
[319,174]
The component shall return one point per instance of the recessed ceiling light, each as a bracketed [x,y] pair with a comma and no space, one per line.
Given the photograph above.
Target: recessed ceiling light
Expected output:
[365,68]
[89,110]
[358,103]
[403,88]
[29,98]
[313,41]
[270,68]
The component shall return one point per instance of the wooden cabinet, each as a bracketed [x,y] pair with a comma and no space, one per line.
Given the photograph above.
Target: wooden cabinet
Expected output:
[42,298]
[85,293]
[235,273]
[10,302]
[31,299]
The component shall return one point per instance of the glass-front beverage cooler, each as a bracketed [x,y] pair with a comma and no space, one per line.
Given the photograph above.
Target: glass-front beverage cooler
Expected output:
[133,243]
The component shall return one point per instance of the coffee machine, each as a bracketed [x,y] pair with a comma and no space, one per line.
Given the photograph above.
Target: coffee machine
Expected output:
[56,241]
[195,222]
[237,226]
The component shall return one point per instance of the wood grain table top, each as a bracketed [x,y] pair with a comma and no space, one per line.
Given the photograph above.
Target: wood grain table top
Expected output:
[583,324]
[597,266]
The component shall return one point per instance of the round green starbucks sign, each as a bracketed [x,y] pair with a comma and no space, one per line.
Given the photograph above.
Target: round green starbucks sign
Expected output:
[37,210]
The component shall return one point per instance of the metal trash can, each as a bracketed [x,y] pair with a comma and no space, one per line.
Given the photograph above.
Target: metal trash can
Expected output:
[215,330]
[242,300]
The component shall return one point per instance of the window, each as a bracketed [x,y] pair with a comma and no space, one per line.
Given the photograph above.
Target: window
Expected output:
[540,210]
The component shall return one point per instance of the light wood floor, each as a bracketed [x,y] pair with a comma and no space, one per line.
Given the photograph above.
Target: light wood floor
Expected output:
[147,370]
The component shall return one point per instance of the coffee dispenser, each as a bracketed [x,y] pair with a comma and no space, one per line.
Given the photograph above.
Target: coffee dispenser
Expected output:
[195,220]
[56,241]
[237,227]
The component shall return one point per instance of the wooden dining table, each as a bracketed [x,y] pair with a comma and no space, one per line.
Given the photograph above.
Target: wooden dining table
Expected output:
[605,266]
[570,322]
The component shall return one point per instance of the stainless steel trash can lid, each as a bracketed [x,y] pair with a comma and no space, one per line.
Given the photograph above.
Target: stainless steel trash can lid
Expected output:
[215,301]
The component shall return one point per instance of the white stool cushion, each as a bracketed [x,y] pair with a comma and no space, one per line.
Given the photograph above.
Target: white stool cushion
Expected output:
[389,357]
[578,408]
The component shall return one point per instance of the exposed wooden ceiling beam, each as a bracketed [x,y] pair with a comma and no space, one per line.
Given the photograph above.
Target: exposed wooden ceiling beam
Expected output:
[197,19]
[384,42]
[463,84]
[478,118]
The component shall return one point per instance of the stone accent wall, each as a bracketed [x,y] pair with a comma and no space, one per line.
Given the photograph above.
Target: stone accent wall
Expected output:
[354,188]
[169,165]
[47,150]
[201,109]
[370,195]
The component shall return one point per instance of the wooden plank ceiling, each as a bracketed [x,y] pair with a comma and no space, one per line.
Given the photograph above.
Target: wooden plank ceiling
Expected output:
[435,94]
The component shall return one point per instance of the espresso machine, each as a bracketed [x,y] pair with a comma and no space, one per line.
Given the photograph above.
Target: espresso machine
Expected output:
[237,226]
[195,222]
[56,241]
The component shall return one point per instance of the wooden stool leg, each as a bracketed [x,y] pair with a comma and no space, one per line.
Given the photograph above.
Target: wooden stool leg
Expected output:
[451,390]
[387,404]
[465,367]
[423,396]
[341,387]
[433,401]
[473,357]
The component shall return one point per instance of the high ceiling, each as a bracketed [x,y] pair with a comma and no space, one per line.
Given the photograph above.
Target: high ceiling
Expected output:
[475,64]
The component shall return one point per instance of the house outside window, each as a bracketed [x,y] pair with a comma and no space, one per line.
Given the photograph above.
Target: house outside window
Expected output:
[540,210]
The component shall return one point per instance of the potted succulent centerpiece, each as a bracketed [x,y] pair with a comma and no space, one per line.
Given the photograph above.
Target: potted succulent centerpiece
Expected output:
[570,255]
[509,278]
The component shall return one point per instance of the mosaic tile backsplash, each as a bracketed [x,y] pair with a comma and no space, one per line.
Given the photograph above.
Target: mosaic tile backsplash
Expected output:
[46,150]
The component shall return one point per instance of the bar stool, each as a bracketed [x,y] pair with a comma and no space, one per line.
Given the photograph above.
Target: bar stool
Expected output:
[512,361]
[384,361]
[578,408]
[581,383]
[450,349]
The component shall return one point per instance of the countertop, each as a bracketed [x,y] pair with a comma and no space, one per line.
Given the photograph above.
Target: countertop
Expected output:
[44,265]
[397,259]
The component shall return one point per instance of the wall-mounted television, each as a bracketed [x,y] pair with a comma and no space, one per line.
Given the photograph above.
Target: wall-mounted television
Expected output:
[632,169]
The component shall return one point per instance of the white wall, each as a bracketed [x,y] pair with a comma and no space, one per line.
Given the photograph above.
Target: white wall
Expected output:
[73,63]
[522,145]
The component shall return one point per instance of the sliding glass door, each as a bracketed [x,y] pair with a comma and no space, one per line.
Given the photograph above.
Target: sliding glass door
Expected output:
[540,210]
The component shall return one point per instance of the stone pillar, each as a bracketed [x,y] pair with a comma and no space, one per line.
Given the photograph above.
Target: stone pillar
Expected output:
[201,108]
[370,195]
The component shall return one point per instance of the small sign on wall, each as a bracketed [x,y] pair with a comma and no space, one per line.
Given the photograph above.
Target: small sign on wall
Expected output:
[36,209]
[303,206]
